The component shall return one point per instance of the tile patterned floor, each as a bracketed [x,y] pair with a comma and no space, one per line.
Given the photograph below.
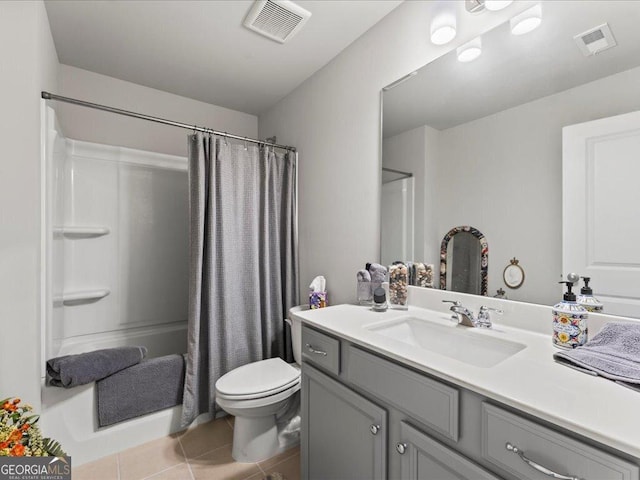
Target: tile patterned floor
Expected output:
[201,453]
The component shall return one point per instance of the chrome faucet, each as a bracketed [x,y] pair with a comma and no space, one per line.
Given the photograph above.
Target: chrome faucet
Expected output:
[465,317]
[461,314]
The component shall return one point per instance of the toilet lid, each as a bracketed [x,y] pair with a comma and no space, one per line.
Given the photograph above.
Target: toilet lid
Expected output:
[257,378]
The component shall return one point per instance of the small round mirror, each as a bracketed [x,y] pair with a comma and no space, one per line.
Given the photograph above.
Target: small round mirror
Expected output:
[513,274]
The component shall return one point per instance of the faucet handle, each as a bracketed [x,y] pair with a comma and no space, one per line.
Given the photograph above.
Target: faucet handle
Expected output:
[484,310]
[484,317]
[455,302]
[454,316]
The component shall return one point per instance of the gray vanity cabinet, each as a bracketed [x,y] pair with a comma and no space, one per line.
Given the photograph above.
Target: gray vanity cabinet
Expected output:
[426,459]
[344,435]
[365,416]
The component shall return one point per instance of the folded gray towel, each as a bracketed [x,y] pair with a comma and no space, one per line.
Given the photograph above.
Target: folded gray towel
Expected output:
[363,276]
[613,353]
[73,370]
[378,275]
[149,386]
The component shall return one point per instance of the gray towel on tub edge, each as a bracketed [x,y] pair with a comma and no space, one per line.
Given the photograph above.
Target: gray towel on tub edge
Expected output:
[151,385]
[73,370]
[613,353]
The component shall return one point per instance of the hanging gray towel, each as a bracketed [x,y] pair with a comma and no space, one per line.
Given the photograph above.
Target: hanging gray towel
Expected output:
[73,370]
[149,386]
[613,353]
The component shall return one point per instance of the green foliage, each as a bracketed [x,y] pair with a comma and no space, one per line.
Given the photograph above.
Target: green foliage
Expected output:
[53,448]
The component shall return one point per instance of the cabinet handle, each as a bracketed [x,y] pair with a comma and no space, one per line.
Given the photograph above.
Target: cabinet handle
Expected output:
[374,429]
[317,352]
[538,467]
[401,448]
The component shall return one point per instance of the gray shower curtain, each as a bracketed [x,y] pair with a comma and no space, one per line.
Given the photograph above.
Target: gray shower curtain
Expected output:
[243,261]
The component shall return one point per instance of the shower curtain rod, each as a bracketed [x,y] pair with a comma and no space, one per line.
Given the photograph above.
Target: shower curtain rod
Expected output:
[399,172]
[126,113]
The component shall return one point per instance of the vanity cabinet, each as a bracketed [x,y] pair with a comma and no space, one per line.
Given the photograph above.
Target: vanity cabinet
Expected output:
[345,435]
[366,416]
[530,451]
[423,458]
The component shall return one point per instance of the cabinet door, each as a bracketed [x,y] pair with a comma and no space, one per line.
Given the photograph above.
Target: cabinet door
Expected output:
[344,435]
[426,459]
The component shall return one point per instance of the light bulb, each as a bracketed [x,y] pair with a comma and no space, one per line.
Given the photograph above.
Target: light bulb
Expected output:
[527,21]
[443,29]
[470,50]
[495,5]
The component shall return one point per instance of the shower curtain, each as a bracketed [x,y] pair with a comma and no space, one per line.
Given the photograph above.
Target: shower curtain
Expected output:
[243,261]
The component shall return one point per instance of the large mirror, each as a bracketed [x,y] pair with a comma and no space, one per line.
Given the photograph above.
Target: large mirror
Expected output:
[482,141]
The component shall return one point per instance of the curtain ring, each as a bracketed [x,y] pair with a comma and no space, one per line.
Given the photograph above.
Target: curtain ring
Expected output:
[245,144]
[226,135]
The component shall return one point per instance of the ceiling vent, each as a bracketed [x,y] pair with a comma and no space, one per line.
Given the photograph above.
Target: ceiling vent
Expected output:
[595,40]
[278,20]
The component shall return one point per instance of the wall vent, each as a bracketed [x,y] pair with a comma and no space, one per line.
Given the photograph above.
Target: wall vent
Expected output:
[595,40]
[278,20]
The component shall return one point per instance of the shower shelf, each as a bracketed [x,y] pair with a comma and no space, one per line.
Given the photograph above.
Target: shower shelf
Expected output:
[87,296]
[81,232]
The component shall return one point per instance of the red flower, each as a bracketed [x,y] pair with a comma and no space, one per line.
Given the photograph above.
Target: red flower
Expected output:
[3,445]
[15,436]
[9,407]
[17,450]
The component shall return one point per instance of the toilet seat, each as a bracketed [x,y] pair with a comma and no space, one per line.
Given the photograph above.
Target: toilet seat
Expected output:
[258,380]
[252,396]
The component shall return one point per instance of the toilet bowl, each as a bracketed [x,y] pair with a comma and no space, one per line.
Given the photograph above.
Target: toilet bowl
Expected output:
[255,393]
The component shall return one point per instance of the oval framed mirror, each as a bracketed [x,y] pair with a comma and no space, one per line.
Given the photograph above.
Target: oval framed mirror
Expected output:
[464,261]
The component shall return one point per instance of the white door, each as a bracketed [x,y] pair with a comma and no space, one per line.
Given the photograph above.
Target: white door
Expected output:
[601,209]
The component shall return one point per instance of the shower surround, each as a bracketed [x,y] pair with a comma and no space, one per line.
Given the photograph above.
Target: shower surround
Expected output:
[115,250]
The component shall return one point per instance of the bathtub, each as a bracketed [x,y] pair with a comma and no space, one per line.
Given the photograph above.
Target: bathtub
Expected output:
[69,415]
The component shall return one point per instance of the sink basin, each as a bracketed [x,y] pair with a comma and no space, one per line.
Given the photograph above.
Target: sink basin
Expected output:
[468,345]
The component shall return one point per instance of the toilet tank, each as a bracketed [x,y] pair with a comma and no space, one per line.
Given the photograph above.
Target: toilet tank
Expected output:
[296,331]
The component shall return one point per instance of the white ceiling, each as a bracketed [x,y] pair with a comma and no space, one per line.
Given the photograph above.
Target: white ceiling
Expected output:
[516,69]
[200,50]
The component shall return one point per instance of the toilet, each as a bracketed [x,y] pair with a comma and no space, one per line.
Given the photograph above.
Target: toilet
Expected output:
[255,393]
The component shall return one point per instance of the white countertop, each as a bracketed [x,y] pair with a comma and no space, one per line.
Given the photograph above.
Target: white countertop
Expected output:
[530,380]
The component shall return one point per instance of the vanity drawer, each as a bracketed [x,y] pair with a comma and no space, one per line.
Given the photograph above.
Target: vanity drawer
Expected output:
[428,401]
[321,349]
[545,448]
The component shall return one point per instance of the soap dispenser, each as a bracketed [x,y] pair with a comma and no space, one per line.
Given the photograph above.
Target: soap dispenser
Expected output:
[569,321]
[586,298]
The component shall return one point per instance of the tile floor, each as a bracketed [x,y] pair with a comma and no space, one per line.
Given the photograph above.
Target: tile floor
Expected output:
[201,453]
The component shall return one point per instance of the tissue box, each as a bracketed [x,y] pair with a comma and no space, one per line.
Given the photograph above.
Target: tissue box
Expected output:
[317,300]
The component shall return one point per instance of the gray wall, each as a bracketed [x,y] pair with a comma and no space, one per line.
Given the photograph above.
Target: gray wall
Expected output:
[90,125]
[334,120]
[29,65]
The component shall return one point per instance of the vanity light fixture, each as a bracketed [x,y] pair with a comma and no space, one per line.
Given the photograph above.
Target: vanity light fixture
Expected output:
[443,29]
[527,21]
[470,50]
[495,5]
